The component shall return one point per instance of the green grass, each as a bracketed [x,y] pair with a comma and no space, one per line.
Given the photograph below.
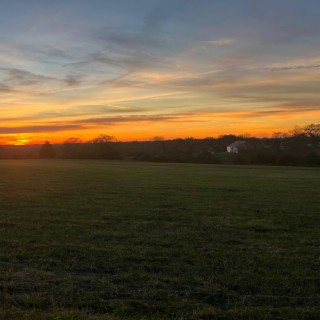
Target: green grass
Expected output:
[117,240]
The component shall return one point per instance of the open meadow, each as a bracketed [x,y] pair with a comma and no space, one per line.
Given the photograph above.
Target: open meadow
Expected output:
[127,240]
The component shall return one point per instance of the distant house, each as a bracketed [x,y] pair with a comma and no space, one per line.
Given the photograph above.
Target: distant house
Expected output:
[237,146]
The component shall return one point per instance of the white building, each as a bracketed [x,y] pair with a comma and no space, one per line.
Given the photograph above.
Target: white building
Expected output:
[236,146]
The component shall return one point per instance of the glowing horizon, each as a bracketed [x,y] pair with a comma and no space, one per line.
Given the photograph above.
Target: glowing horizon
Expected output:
[174,69]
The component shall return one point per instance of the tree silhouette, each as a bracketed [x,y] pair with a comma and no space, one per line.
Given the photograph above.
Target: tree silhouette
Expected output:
[104,148]
[47,151]
[313,132]
[71,147]
[103,138]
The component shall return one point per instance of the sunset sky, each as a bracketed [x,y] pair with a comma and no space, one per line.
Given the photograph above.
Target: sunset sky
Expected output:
[136,69]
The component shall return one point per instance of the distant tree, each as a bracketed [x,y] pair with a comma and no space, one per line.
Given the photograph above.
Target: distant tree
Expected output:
[209,138]
[313,132]
[239,160]
[104,148]
[245,136]
[206,157]
[295,150]
[227,139]
[47,151]
[72,140]
[189,144]
[71,147]
[265,157]
[279,135]
[103,138]
[313,159]
[157,138]
[159,147]
[297,131]
[278,138]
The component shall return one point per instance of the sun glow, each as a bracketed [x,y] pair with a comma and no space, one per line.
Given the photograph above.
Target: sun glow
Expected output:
[261,123]
[21,142]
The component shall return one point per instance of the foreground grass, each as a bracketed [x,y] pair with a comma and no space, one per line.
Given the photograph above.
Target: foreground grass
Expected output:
[114,240]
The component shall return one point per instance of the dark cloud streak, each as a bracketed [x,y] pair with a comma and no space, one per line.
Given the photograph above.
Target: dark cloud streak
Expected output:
[38,128]
[18,77]
[88,122]
[299,67]
[5,89]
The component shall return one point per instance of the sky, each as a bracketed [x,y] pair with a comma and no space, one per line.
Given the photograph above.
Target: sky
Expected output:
[145,68]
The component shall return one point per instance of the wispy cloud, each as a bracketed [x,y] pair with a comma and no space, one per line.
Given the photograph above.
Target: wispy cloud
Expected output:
[38,128]
[103,109]
[221,42]
[19,52]
[4,88]
[89,122]
[73,80]
[130,119]
[76,111]
[299,67]
[18,77]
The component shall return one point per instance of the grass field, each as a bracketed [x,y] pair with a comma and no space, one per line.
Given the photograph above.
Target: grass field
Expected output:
[118,240]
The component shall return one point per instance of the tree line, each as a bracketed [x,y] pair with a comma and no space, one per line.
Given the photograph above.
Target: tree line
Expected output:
[300,146]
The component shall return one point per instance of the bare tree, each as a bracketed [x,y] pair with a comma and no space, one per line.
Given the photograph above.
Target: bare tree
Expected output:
[103,138]
[313,132]
[71,147]
[103,147]
[72,140]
